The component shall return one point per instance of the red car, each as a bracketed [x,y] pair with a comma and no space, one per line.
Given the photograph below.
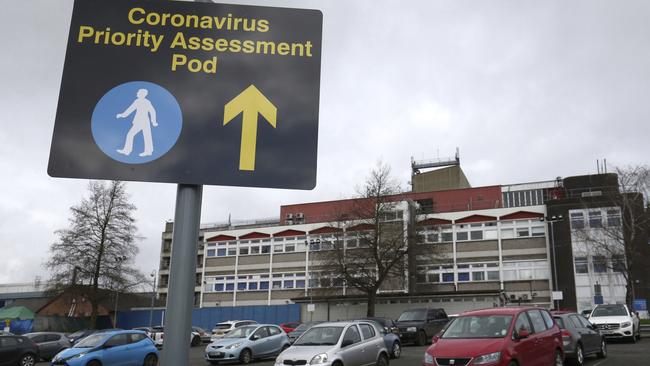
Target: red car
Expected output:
[289,327]
[514,336]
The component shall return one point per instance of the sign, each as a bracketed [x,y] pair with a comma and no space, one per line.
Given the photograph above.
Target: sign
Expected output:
[191,93]
[640,304]
[599,300]
[557,295]
[311,307]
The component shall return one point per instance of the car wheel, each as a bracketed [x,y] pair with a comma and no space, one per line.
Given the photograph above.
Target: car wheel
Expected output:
[421,338]
[245,356]
[397,350]
[27,360]
[558,361]
[196,341]
[638,334]
[603,349]
[150,360]
[382,360]
[94,363]
[580,356]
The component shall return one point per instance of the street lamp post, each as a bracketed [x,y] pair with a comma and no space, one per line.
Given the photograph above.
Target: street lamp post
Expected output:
[551,220]
[153,296]
[117,291]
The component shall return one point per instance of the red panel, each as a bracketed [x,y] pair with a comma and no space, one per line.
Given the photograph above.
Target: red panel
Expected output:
[454,200]
[254,235]
[434,222]
[476,218]
[522,215]
[361,227]
[221,238]
[289,233]
[325,230]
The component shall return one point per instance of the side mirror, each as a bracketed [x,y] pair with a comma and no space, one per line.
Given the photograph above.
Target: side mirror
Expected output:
[523,333]
[346,342]
[255,337]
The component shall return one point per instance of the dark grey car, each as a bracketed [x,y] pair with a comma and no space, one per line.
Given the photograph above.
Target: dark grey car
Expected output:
[420,325]
[49,343]
[580,337]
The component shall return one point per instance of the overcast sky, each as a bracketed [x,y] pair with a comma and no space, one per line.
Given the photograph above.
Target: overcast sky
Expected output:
[528,90]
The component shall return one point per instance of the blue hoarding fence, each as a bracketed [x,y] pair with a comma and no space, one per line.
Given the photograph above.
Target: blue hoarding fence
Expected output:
[640,305]
[207,317]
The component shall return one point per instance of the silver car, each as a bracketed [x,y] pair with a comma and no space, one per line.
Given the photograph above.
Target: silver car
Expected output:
[49,343]
[356,343]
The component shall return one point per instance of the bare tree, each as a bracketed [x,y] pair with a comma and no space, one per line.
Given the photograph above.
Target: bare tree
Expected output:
[98,248]
[376,238]
[618,243]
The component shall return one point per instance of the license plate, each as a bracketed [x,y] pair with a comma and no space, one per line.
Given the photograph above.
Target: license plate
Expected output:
[607,331]
[215,354]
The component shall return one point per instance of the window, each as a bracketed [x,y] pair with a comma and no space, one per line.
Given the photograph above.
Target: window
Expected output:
[133,337]
[595,219]
[264,285]
[352,335]
[577,220]
[613,217]
[266,249]
[211,252]
[461,235]
[447,277]
[493,275]
[463,276]
[547,319]
[243,251]
[478,276]
[523,232]
[581,265]
[274,331]
[538,321]
[618,264]
[221,252]
[230,286]
[600,264]
[367,331]
[118,340]
[522,322]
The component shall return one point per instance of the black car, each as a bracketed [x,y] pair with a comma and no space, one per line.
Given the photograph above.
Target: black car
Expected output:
[420,325]
[580,337]
[17,351]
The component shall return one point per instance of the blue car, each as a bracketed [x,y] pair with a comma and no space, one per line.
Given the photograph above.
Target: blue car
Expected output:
[122,347]
[247,343]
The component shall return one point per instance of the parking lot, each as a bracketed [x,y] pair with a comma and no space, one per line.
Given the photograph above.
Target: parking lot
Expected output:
[619,354]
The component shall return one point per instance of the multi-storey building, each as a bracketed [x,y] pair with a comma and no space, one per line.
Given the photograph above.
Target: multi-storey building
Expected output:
[475,248]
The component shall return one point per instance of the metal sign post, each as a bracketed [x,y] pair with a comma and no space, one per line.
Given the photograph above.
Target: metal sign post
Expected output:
[182,274]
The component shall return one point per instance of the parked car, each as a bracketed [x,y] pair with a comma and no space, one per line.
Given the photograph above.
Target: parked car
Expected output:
[392,342]
[147,330]
[49,343]
[499,337]
[121,347]
[222,328]
[616,321]
[17,351]
[580,338]
[420,325]
[247,343]
[289,327]
[300,330]
[158,337]
[354,343]
[204,337]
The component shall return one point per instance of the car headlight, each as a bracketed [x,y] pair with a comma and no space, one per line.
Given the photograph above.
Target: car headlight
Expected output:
[79,355]
[412,329]
[233,346]
[322,358]
[626,324]
[428,358]
[279,361]
[489,358]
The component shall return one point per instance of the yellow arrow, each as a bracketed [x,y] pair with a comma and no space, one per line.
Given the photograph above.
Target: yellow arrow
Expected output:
[251,102]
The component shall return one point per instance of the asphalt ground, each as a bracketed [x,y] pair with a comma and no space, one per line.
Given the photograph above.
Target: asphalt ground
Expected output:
[620,354]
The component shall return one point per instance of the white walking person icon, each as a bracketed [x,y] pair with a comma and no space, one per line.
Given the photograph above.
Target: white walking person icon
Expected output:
[144,114]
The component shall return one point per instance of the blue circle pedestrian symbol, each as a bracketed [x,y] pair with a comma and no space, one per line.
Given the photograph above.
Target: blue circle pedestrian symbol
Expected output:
[136,122]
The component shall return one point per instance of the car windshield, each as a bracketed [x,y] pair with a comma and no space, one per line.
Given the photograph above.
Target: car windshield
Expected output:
[559,321]
[413,315]
[91,341]
[241,332]
[304,326]
[490,326]
[320,336]
[614,310]
[222,326]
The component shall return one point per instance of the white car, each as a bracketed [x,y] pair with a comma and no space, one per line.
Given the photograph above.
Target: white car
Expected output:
[616,321]
[158,337]
[221,329]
